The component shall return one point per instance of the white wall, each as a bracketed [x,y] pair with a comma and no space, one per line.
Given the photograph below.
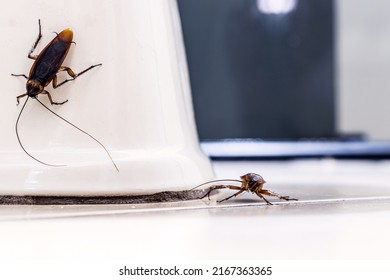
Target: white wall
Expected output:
[363,47]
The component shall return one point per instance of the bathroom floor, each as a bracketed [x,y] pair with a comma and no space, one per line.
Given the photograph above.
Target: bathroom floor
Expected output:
[343,212]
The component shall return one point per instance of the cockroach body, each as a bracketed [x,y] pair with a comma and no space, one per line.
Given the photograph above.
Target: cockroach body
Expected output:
[48,64]
[250,182]
[44,71]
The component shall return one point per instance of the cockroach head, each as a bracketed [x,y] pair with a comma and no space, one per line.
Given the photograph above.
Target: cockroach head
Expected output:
[33,88]
[252,181]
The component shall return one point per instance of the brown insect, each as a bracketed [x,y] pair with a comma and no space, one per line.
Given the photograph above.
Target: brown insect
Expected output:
[250,182]
[47,64]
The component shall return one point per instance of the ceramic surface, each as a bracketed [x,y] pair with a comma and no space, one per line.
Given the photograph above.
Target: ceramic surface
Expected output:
[138,103]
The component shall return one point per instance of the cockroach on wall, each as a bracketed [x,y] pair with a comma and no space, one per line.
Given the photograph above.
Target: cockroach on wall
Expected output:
[47,64]
[250,182]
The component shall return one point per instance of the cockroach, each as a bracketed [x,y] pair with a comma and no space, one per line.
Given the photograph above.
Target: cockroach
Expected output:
[250,182]
[47,64]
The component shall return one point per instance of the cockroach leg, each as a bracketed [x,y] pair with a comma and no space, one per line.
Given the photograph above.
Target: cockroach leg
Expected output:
[218,188]
[20,75]
[269,193]
[68,70]
[72,74]
[89,68]
[34,57]
[212,189]
[261,196]
[51,100]
[234,195]
[20,96]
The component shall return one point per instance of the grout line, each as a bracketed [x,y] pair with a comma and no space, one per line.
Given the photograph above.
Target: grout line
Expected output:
[205,206]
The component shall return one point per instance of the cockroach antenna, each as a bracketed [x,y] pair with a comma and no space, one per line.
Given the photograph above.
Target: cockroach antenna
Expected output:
[20,142]
[81,130]
[65,120]
[214,181]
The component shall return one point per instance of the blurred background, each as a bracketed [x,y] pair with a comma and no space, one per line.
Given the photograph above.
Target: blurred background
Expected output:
[290,70]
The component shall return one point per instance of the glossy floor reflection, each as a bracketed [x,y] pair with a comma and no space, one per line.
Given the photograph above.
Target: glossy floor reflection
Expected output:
[338,216]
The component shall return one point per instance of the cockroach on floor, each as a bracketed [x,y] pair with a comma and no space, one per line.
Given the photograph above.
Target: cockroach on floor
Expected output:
[48,63]
[250,182]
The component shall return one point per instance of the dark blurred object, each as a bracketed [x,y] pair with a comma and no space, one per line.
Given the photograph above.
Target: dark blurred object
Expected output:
[261,68]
